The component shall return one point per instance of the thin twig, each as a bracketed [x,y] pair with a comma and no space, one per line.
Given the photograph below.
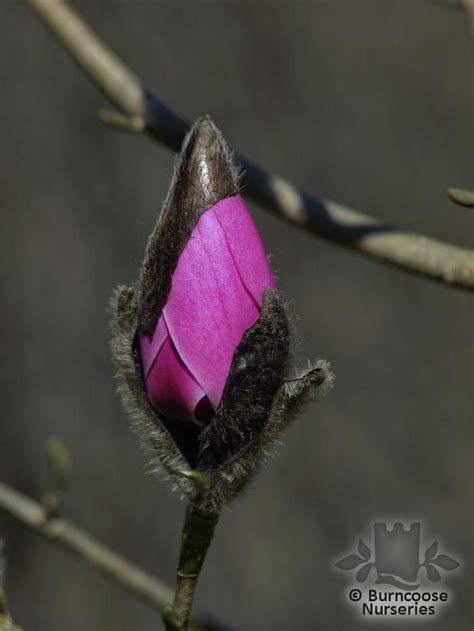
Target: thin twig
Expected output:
[59,471]
[67,534]
[417,253]
[196,538]
[467,6]
[118,568]
[461,197]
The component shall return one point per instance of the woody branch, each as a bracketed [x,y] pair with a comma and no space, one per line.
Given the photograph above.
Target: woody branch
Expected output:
[141,111]
[65,533]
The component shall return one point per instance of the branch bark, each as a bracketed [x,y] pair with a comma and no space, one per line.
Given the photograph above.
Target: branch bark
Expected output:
[196,538]
[461,197]
[332,221]
[132,578]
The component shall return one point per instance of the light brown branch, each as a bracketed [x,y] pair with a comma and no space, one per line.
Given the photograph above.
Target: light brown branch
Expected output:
[118,568]
[108,72]
[76,540]
[461,197]
[467,6]
[362,233]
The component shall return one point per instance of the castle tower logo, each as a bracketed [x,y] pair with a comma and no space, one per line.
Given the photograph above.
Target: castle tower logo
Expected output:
[395,559]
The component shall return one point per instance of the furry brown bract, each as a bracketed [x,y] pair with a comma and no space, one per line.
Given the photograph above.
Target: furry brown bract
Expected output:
[204,174]
[258,403]
[211,464]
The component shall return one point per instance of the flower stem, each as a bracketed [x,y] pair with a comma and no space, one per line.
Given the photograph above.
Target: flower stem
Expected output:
[196,538]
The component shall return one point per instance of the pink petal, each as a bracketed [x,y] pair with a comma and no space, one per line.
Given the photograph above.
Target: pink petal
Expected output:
[173,390]
[246,246]
[209,308]
[216,295]
[150,346]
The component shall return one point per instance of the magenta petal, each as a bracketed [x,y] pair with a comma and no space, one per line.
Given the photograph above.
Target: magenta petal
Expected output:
[173,391]
[150,346]
[208,308]
[216,295]
[245,245]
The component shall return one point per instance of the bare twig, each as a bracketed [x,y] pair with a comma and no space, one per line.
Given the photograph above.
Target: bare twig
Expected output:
[59,471]
[330,220]
[67,534]
[461,197]
[457,5]
[196,538]
[466,6]
[118,568]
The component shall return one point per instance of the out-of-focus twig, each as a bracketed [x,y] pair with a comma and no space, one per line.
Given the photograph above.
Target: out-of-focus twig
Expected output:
[461,197]
[6,622]
[70,536]
[467,6]
[141,110]
[59,472]
[118,568]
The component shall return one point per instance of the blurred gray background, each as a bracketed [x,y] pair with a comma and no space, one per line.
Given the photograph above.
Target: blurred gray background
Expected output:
[368,102]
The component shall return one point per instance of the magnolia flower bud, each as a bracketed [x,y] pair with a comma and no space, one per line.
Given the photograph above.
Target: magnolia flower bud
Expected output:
[216,295]
[201,342]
